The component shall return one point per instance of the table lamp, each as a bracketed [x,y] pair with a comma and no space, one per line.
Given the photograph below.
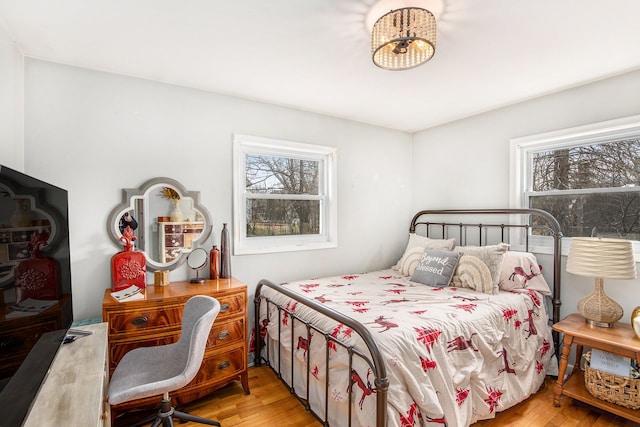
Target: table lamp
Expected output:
[600,258]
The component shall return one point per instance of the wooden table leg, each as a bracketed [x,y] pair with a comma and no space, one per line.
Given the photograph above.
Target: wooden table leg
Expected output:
[564,360]
[576,364]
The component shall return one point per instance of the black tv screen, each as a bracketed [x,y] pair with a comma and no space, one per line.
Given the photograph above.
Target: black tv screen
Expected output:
[35,287]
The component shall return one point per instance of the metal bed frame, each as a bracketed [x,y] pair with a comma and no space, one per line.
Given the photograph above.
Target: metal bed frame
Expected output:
[529,221]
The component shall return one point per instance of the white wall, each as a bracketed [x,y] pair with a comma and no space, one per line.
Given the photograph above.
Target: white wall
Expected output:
[95,133]
[465,164]
[11,103]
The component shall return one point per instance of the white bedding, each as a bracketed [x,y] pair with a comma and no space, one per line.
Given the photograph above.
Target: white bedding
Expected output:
[453,356]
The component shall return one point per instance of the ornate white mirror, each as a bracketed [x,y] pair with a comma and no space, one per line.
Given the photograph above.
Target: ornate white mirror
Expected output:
[166,218]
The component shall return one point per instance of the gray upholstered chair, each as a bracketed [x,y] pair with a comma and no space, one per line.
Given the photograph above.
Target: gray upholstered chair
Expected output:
[150,371]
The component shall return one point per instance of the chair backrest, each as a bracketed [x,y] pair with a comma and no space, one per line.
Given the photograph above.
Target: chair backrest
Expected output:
[197,319]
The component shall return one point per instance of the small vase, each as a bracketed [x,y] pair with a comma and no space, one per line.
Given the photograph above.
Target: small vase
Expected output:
[214,262]
[176,214]
[635,321]
[22,215]
[225,255]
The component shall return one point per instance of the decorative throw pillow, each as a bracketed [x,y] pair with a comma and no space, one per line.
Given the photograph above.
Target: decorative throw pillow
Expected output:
[436,268]
[416,246]
[472,273]
[520,270]
[492,255]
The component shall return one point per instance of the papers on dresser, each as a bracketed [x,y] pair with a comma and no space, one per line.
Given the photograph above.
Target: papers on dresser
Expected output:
[30,307]
[131,293]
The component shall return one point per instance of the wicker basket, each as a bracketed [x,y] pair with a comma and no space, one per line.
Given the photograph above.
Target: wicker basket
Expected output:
[623,391]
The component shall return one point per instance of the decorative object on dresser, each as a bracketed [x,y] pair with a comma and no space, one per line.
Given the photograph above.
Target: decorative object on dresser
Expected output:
[143,372]
[214,263]
[225,253]
[161,278]
[196,260]
[156,320]
[128,267]
[165,240]
[600,258]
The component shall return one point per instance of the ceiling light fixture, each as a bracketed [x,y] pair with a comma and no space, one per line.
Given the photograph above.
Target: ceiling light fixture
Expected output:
[403,38]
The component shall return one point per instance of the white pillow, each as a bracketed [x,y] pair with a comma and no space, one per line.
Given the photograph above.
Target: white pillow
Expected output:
[492,255]
[474,274]
[520,270]
[416,246]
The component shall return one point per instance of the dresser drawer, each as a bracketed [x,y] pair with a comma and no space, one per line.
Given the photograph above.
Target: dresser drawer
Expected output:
[117,349]
[231,305]
[221,366]
[145,320]
[225,333]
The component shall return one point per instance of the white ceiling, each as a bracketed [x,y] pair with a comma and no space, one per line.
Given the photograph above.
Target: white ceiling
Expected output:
[314,55]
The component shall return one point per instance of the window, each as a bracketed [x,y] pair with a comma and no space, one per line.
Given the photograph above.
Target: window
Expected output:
[587,177]
[284,196]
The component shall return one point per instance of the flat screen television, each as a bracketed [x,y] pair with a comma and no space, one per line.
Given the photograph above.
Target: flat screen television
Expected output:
[35,287]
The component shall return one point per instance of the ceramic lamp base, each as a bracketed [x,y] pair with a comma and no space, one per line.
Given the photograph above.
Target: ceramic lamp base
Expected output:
[598,309]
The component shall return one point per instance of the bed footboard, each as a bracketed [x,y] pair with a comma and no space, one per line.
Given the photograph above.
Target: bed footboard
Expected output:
[374,359]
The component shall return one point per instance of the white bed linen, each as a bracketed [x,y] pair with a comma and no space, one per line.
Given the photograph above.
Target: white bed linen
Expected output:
[452,355]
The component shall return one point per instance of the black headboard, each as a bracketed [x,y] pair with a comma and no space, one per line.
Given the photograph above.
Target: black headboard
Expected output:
[494,226]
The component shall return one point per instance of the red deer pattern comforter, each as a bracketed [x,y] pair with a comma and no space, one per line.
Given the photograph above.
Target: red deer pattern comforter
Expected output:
[453,356]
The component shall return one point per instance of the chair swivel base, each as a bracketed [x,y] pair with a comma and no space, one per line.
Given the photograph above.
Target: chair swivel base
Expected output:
[167,413]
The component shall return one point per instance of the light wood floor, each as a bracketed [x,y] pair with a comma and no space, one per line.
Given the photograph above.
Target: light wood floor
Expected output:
[271,404]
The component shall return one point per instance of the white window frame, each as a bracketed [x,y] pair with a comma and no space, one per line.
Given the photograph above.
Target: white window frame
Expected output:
[522,149]
[327,189]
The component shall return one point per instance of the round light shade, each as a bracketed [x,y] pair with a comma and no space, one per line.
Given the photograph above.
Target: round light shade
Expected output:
[600,257]
[403,38]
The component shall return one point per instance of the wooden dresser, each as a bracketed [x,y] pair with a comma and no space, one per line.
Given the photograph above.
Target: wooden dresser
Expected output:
[156,320]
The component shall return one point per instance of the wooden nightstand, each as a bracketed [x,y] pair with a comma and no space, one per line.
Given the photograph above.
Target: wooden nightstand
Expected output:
[619,339]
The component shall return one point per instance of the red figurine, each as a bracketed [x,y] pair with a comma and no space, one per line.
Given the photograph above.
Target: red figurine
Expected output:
[128,267]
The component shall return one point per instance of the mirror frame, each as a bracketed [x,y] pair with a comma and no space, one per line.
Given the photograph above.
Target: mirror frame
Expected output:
[129,193]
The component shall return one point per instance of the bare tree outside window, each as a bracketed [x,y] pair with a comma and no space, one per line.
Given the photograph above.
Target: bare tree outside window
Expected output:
[282,196]
[593,190]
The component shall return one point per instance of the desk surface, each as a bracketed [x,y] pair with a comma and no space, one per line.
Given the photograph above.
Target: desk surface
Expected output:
[73,392]
[184,289]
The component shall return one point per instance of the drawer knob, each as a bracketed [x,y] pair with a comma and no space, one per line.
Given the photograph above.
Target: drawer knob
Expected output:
[140,321]
[224,307]
[223,335]
[224,365]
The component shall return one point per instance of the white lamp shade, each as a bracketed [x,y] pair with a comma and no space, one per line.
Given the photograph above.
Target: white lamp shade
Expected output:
[601,257]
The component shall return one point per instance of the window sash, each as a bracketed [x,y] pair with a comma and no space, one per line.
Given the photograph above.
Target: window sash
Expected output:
[521,163]
[326,238]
